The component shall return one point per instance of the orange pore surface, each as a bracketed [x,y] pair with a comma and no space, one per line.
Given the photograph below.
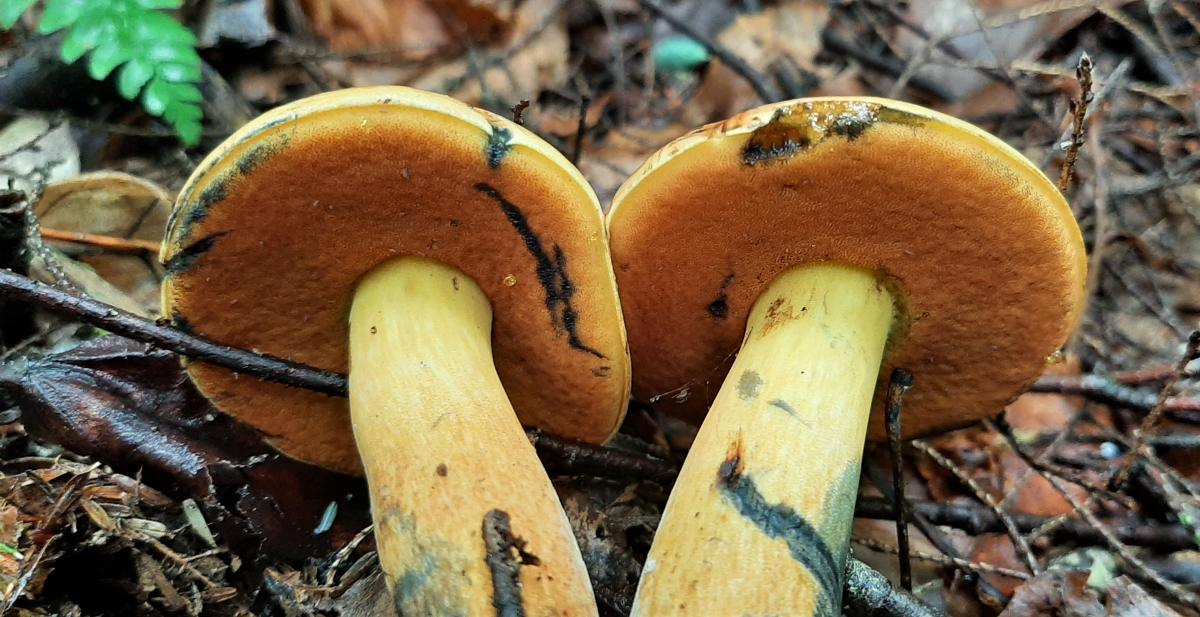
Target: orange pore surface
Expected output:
[275,228]
[984,254]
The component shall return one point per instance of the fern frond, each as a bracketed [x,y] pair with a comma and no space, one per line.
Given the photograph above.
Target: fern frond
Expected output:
[154,55]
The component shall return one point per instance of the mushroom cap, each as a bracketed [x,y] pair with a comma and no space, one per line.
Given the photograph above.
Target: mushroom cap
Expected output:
[981,250]
[273,230]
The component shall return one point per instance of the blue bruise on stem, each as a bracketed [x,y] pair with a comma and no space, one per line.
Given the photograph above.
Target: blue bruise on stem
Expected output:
[804,542]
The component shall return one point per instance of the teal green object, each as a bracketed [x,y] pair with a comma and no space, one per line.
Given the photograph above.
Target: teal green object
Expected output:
[679,54]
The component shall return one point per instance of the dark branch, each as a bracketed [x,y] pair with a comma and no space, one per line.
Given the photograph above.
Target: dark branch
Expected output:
[100,315]
[977,520]
[901,381]
[869,594]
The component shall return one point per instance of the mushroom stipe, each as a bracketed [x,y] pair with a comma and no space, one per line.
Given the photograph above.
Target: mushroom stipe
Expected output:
[774,265]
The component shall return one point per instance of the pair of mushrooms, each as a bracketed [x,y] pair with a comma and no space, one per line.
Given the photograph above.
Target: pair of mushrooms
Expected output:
[792,255]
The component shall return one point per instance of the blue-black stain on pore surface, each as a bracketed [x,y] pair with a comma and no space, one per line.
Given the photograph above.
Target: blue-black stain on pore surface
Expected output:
[182,260]
[719,308]
[218,190]
[780,521]
[498,144]
[851,126]
[551,271]
[179,322]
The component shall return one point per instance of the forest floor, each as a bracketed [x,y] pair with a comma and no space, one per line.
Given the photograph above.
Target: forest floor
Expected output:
[123,491]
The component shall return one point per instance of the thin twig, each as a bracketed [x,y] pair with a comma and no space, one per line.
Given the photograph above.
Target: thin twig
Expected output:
[575,458]
[108,243]
[1108,391]
[1115,543]
[1083,74]
[1009,526]
[901,381]
[580,129]
[958,562]
[518,111]
[757,80]
[1001,426]
[975,520]
[1142,431]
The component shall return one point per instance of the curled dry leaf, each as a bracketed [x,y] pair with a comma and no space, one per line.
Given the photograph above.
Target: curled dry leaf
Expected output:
[112,205]
[134,409]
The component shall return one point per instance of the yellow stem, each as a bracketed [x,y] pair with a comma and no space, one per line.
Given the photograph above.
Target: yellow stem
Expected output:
[443,451]
[759,520]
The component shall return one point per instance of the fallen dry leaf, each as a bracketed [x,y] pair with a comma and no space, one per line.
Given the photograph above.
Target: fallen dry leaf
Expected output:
[409,29]
[538,31]
[114,205]
[1063,594]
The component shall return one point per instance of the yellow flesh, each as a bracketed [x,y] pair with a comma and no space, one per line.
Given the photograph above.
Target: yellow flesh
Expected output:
[759,519]
[442,447]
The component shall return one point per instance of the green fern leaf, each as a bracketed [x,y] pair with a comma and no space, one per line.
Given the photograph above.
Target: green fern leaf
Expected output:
[59,14]
[12,10]
[133,77]
[106,57]
[159,4]
[152,53]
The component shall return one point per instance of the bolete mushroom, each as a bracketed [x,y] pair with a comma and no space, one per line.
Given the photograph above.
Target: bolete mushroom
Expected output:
[458,266]
[792,254]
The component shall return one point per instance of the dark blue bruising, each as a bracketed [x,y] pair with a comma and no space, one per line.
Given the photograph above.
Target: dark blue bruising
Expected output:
[779,521]
[719,308]
[212,195]
[183,260]
[218,190]
[498,144]
[410,589]
[851,127]
[505,553]
[179,322]
[551,271]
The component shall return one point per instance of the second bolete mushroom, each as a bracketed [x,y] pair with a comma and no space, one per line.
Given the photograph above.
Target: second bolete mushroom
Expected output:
[457,266]
[790,255]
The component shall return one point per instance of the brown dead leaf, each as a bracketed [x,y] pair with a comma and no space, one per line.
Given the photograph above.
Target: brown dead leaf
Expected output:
[115,205]
[1062,594]
[410,29]
[1127,599]
[560,122]
[996,549]
[538,63]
